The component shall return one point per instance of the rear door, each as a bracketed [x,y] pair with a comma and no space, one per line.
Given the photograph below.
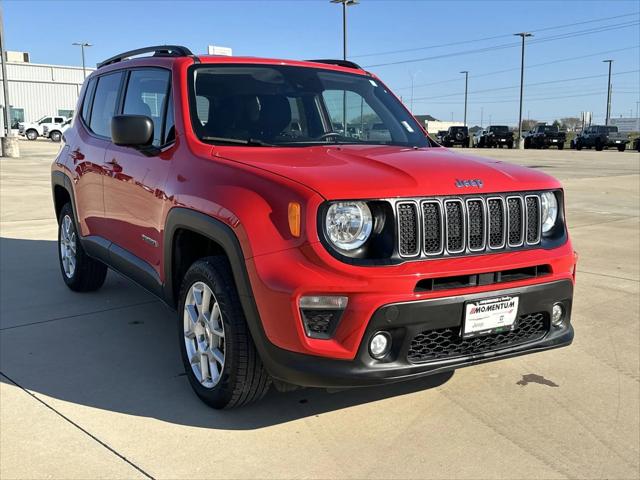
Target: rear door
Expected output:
[134,186]
[87,150]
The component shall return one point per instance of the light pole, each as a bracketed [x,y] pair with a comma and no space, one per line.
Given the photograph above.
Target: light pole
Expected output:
[82,45]
[345,4]
[523,35]
[9,146]
[466,84]
[606,122]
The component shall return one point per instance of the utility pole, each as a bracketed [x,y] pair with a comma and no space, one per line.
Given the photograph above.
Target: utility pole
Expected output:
[606,122]
[82,45]
[523,35]
[345,4]
[466,84]
[10,146]
[413,76]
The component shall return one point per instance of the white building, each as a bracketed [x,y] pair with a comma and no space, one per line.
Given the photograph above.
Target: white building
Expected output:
[626,125]
[434,127]
[36,90]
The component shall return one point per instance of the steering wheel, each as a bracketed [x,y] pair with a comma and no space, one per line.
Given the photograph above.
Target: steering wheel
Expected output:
[328,135]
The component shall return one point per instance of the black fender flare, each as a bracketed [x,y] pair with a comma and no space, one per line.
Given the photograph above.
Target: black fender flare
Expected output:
[60,179]
[223,235]
[212,228]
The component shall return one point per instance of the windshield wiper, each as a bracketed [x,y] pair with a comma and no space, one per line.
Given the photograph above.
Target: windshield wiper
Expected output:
[253,142]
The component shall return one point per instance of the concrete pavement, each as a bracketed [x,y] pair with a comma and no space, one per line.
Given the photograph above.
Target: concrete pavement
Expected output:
[92,385]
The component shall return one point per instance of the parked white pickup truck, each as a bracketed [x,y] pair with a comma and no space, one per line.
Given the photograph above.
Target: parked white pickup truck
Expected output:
[36,129]
[54,133]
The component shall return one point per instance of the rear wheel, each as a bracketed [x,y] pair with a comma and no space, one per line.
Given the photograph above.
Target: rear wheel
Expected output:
[31,134]
[560,146]
[622,148]
[80,272]
[218,353]
[55,136]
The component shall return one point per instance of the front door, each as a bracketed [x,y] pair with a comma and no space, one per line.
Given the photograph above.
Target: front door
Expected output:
[87,149]
[134,185]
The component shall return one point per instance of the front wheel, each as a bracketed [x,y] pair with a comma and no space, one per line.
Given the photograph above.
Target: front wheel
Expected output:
[80,272]
[31,135]
[218,353]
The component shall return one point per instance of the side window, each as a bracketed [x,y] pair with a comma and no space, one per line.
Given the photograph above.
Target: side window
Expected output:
[104,104]
[147,94]
[58,120]
[86,101]
[45,120]
[362,122]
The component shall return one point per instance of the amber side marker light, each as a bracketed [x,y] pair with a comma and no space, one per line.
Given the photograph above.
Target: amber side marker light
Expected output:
[294,218]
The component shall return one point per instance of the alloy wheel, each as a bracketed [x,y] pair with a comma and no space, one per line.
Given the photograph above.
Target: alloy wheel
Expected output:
[68,246]
[204,334]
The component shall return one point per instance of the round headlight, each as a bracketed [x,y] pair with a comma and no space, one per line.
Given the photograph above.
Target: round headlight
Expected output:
[549,211]
[348,224]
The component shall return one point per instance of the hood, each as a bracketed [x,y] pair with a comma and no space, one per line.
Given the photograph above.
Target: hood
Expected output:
[349,171]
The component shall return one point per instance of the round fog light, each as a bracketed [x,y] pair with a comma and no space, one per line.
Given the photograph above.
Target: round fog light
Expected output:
[380,345]
[557,315]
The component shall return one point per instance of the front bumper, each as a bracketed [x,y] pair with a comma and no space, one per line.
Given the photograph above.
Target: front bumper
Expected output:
[406,320]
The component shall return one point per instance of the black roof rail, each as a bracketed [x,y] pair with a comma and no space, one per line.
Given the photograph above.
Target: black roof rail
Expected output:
[340,63]
[158,51]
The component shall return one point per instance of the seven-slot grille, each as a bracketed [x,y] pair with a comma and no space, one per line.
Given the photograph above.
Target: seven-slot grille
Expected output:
[465,225]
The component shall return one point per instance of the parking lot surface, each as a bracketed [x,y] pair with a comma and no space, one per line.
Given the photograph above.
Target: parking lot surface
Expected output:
[92,385]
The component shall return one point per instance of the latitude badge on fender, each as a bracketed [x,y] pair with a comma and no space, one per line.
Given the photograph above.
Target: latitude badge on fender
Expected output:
[475,182]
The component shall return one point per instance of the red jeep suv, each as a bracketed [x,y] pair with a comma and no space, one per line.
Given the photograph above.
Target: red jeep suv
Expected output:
[299,244]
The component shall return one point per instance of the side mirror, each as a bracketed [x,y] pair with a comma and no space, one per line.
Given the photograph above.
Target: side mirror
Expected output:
[132,131]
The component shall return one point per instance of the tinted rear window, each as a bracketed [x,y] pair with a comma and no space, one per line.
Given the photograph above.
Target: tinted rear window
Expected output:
[86,102]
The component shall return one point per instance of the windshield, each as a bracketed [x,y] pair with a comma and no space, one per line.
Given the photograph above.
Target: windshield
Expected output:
[499,129]
[296,106]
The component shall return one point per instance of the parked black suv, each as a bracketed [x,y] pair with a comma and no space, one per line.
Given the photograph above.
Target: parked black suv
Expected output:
[545,136]
[456,136]
[601,137]
[496,136]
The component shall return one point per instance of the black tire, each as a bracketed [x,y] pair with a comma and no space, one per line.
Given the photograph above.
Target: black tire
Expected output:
[622,148]
[560,146]
[88,274]
[599,146]
[578,146]
[527,143]
[243,378]
[31,134]
[510,145]
[55,136]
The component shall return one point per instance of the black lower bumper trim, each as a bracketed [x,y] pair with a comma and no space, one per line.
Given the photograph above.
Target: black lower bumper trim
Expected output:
[406,320]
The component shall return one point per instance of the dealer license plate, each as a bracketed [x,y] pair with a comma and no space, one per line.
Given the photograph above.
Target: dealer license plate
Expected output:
[493,315]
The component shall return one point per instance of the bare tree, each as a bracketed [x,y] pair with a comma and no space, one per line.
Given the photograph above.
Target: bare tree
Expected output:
[528,124]
[571,123]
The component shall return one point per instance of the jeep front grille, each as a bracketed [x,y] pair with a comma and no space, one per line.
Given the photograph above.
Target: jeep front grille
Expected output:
[444,226]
